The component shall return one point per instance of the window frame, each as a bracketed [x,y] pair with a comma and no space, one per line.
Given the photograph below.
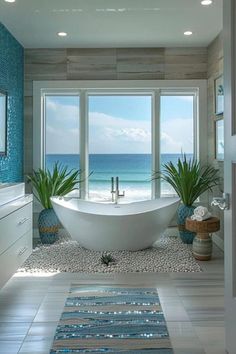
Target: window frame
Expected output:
[155,88]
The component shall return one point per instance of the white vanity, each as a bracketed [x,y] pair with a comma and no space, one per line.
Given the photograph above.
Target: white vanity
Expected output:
[15,228]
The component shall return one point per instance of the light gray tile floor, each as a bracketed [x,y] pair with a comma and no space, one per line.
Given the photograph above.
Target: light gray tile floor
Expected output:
[30,307]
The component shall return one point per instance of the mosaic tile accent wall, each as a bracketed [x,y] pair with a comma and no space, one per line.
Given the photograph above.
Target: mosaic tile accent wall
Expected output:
[12,81]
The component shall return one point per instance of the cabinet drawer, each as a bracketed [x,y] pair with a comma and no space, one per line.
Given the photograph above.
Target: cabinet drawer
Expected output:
[15,225]
[15,256]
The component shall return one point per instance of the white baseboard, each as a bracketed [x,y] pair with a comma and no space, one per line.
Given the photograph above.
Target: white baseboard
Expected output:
[218,241]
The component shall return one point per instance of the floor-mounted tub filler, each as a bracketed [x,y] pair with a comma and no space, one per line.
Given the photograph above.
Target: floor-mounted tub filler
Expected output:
[102,227]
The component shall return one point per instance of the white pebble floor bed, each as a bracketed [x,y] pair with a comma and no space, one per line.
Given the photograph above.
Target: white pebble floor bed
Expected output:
[66,255]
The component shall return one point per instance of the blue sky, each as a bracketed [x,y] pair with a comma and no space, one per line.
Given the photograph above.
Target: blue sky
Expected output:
[178,107]
[119,124]
[127,107]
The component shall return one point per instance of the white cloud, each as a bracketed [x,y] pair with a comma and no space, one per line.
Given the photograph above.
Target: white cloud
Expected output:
[109,134]
[131,134]
[177,136]
[61,141]
[62,135]
[97,119]
[66,115]
[51,105]
[168,144]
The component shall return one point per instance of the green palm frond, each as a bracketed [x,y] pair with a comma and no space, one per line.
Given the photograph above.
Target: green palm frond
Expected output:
[188,178]
[58,182]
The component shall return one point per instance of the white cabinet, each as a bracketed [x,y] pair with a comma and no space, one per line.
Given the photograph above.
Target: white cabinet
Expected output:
[15,236]
[11,191]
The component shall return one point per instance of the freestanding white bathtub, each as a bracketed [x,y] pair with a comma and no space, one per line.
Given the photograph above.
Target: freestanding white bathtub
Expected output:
[101,227]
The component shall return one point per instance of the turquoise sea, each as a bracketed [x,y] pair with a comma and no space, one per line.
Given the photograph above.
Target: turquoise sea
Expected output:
[134,171]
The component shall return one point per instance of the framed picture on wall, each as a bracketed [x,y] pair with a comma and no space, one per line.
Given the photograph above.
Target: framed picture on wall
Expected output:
[3,123]
[219,95]
[219,139]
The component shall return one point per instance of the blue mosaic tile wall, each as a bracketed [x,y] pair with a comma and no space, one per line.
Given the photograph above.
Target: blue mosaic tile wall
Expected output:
[12,81]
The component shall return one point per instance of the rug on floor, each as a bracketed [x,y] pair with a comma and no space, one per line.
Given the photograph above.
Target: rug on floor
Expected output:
[112,320]
[66,255]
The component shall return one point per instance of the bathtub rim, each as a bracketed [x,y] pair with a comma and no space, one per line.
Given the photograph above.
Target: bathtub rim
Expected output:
[117,208]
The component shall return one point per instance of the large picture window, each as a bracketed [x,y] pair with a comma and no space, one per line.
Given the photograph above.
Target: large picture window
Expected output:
[120,145]
[126,132]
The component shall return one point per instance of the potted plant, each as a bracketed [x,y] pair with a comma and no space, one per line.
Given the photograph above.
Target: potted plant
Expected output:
[189,180]
[45,185]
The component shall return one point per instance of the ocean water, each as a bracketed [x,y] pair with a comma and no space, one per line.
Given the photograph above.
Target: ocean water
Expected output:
[134,172]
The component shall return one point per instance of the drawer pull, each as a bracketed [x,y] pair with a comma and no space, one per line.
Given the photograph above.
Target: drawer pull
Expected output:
[22,251]
[22,221]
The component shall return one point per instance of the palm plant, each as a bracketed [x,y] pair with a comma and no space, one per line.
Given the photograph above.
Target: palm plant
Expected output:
[189,179]
[46,184]
[58,182]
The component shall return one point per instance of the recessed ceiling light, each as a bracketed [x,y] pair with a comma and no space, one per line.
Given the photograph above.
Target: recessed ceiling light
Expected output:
[10,0]
[206,2]
[188,33]
[62,34]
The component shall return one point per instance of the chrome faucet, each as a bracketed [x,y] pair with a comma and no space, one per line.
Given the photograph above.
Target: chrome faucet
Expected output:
[221,202]
[115,192]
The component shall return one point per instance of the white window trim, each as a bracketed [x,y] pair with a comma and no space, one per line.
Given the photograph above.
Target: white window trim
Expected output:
[153,87]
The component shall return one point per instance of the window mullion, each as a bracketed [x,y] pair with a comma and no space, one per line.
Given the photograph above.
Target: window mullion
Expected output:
[156,184]
[196,133]
[43,136]
[84,163]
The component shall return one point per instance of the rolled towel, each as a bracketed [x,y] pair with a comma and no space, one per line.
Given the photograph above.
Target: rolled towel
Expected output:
[201,218]
[201,211]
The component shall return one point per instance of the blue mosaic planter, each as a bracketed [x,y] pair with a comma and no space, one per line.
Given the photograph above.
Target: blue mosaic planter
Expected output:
[48,225]
[182,213]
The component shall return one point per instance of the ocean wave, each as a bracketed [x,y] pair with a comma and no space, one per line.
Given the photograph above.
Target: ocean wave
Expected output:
[130,195]
[114,173]
[108,182]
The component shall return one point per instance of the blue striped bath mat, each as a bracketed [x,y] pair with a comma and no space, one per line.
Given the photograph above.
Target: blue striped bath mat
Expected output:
[112,320]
